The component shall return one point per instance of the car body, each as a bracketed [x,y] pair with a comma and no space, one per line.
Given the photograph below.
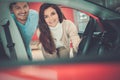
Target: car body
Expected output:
[98,56]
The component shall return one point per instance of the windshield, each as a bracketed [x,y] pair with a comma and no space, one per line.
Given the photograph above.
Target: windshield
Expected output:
[111,4]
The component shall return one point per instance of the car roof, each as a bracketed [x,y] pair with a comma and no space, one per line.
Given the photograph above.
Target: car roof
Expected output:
[85,5]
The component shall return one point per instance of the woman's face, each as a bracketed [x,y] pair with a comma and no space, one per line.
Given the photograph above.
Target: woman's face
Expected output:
[21,10]
[51,17]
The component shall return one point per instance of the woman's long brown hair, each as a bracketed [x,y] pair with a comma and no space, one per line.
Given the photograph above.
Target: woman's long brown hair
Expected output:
[45,35]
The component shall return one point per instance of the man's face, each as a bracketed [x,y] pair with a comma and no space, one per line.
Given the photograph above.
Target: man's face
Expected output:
[21,10]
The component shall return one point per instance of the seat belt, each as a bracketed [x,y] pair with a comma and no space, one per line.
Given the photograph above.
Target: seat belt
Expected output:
[10,43]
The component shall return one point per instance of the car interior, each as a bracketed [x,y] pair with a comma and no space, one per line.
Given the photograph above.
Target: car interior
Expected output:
[103,43]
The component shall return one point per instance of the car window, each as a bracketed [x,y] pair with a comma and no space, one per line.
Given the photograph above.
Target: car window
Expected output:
[93,28]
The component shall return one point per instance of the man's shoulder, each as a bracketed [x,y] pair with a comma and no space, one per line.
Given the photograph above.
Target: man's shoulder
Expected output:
[33,14]
[31,11]
[13,15]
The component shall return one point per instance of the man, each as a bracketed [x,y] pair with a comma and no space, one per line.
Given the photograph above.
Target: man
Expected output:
[27,20]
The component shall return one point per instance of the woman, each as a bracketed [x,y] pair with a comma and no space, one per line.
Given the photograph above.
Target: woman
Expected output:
[56,33]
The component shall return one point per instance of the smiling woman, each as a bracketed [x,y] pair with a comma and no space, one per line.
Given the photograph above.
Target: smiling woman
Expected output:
[36,5]
[56,25]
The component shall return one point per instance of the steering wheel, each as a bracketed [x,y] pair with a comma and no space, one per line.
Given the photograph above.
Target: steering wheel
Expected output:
[86,38]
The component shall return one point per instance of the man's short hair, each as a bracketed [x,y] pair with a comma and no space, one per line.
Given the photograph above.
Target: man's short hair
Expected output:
[13,3]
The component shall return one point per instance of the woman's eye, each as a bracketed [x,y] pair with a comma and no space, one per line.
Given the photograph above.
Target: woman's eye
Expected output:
[53,13]
[45,16]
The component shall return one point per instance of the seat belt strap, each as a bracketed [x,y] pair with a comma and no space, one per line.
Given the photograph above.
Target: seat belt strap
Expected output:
[10,43]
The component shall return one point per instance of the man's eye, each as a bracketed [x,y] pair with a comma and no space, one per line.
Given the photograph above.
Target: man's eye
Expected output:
[25,6]
[17,7]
